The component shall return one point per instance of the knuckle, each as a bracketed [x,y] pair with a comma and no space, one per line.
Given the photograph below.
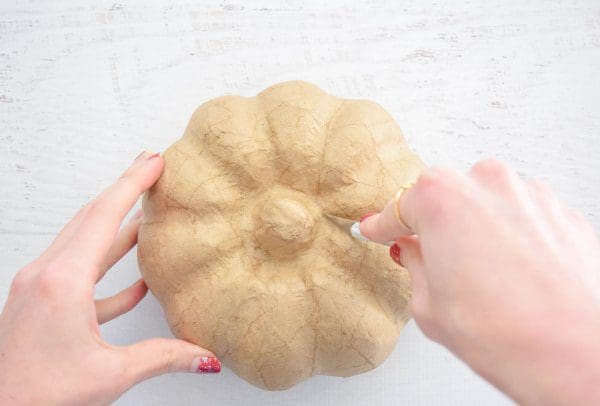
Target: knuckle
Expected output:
[168,360]
[125,177]
[52,281]
[435,176]
[436,180]
[437,189]
[490,166]
[46,284]
[428,186]
[87,207]
[542,188]
[97,207]
[93,206]
[428,328]
[120,305]
[493,174]
[129,181]
[124,303]
[20,281]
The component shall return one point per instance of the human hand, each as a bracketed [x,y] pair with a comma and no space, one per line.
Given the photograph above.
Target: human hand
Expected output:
[51,351]
[505,276]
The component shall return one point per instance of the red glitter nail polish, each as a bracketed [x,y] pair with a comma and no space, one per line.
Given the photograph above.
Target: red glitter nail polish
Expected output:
[366,215]
[395,253]
[209,365]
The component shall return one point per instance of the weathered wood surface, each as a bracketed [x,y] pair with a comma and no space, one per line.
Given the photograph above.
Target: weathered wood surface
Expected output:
[86,85]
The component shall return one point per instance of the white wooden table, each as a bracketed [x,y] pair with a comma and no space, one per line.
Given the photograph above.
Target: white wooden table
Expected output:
[86,85]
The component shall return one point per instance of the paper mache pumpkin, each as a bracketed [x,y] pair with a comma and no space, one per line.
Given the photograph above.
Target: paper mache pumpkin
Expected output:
[235,245]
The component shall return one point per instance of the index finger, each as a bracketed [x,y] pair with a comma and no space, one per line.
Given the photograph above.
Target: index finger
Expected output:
[428,205]
[384,227]
[98,229]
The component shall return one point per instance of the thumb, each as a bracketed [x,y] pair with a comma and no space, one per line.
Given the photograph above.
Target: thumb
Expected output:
[160,356]
[384,226]
[406,252]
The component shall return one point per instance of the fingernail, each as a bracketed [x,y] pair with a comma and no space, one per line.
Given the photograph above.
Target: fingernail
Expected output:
[140,155]
[366,215]
[139,282]
[145,155]
[204,365]
[395,253]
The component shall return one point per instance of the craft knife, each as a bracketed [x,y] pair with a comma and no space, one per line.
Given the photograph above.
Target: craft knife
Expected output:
[351,228]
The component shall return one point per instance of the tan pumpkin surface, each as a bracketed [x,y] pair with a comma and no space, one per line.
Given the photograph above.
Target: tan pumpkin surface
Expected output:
[235,245]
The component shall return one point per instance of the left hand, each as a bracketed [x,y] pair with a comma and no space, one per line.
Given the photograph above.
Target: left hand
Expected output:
[51,351]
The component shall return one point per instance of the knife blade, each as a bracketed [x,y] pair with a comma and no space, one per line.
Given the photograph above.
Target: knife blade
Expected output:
[350,228]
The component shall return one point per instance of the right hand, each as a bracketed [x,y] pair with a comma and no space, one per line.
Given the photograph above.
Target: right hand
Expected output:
[505,276]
